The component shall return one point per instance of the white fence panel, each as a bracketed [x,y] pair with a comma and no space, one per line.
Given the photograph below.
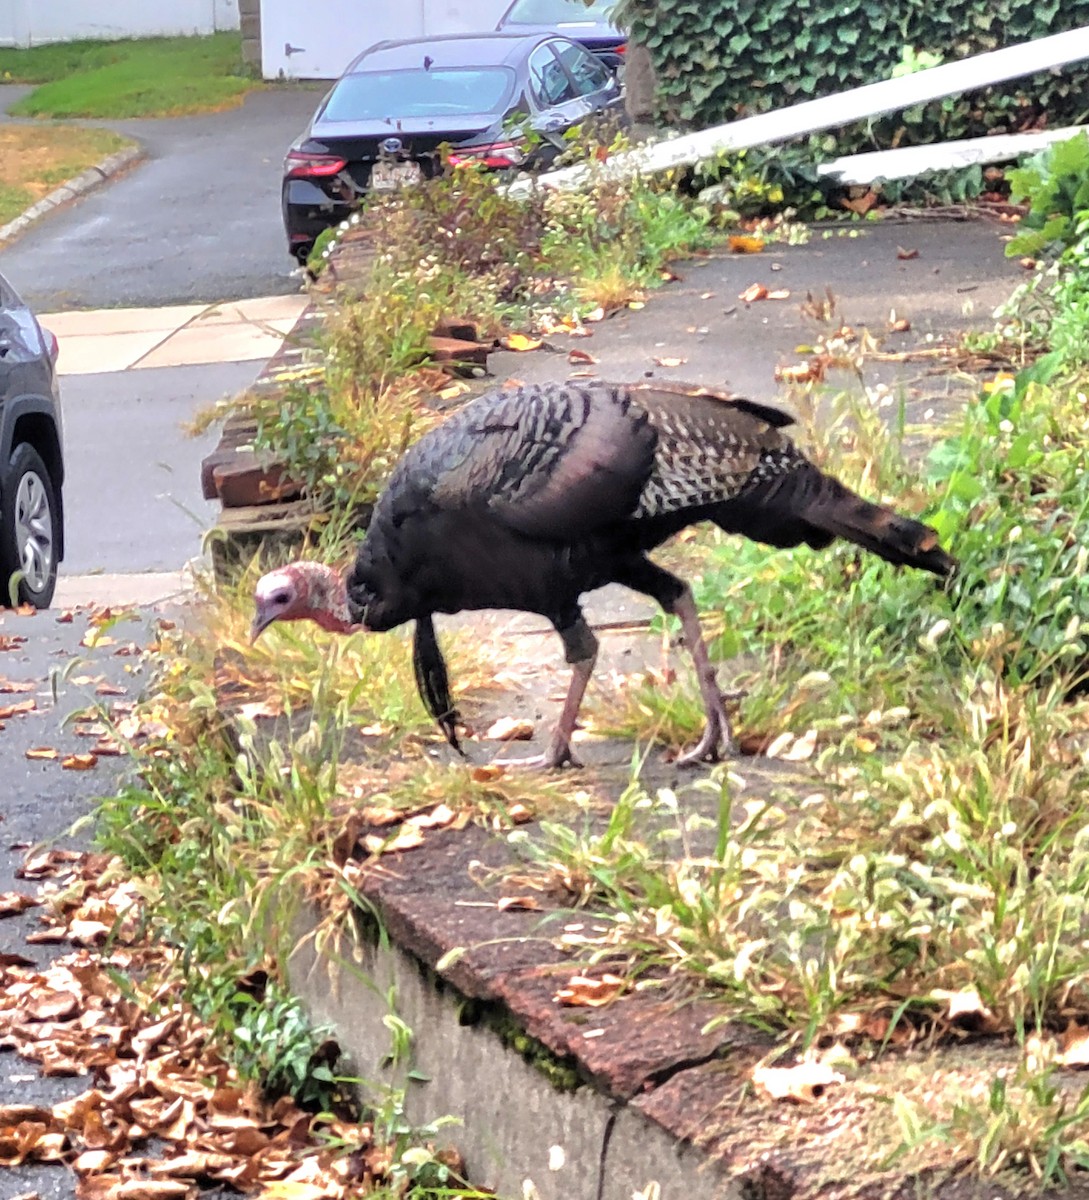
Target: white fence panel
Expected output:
[318,39]
[32,22]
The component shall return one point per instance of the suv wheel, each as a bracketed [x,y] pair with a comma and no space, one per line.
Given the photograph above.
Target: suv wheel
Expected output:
[29,528]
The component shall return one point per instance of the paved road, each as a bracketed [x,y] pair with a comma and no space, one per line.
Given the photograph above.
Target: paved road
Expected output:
[198,219]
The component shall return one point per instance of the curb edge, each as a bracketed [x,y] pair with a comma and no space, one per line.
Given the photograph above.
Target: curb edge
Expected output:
[79,185]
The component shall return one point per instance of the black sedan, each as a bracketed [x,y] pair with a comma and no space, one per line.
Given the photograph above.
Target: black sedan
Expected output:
[381,125]
[587,24]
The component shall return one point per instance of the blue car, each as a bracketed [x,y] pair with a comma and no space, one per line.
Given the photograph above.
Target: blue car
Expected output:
[382,124]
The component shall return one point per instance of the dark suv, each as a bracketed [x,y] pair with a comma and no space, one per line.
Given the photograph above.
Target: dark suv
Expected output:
[31,461]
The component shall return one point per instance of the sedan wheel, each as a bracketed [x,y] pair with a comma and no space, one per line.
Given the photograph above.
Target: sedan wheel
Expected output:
[29,530]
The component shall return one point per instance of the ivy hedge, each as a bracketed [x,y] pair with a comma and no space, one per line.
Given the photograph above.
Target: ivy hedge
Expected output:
[720,59]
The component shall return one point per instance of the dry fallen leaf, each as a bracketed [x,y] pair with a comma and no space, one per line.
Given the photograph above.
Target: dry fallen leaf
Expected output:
[667,360]
[8,711]
[906,254]
[519,814]
[95,637]
[42,752]
[740,243]
[518,904]
[521,342]
[966,1010]
[408,837]
[580,356]
[584,992]
[437,818]
[510,729]
[79,762]
[808,372]
[754,292]
[1073,1046]
[13,903]
[860,204]
[804,1083]
[15,686]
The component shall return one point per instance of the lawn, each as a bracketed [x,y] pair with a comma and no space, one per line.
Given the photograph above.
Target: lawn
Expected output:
[149,77]
[34,160]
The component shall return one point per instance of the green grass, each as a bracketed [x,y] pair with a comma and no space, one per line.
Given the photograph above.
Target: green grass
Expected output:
[150,77]
[13,200]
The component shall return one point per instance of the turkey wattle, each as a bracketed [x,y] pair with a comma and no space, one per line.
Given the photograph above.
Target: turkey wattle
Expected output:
[529,497]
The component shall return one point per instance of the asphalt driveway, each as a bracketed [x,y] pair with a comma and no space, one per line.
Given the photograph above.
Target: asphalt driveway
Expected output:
[197,220]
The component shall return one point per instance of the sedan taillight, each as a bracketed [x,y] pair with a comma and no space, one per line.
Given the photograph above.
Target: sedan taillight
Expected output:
[495,154]
[299,164]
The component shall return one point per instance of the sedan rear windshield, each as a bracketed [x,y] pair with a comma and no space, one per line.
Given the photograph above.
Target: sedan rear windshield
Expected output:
[440,92]
[552,12]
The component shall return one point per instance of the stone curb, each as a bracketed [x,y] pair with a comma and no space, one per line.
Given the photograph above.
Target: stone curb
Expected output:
[84,182]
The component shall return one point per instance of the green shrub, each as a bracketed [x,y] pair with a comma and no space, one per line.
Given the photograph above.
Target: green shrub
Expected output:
[1055,183]
[719,60]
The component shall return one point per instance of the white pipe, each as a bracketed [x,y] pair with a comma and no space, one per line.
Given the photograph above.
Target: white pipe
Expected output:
[909,161]
[870,100]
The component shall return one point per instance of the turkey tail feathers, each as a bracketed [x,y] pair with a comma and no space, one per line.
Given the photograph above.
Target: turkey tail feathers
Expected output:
[433,682]
[808,506]
[897,539]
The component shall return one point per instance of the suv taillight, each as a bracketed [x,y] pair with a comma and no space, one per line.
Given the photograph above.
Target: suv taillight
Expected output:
[495,154]
[301,165]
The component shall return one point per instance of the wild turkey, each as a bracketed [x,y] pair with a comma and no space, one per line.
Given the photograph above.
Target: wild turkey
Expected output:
[529,497]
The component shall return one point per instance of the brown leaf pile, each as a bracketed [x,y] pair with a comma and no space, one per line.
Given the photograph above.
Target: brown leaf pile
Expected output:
[163,1116]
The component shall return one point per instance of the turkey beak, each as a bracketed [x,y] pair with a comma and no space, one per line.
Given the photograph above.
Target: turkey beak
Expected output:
[261,621]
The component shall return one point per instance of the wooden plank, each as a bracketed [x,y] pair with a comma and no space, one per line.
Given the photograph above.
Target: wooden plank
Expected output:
[267,517]
[251,479]
[447,349]
[856,104]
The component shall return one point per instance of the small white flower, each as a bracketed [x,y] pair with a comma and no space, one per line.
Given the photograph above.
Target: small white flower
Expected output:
[935,633]
[1006,426]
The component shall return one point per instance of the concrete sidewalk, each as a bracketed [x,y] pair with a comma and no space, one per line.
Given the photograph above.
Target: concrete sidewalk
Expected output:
[122,339]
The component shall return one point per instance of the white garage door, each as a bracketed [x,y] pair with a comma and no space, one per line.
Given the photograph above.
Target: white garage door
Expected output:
[318,39]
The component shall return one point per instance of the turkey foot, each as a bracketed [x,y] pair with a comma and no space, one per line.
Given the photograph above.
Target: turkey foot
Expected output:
[717,734]
[559,751]
[558,754]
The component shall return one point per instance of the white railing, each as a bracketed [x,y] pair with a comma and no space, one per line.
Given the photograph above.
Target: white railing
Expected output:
[810,116]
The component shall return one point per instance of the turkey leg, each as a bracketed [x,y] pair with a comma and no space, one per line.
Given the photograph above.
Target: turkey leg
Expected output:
[580,649]
[717,734]
[675,596]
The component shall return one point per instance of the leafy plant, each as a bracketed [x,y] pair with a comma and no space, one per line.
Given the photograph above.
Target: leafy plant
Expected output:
[1055,182]
[720,60]
[460,245]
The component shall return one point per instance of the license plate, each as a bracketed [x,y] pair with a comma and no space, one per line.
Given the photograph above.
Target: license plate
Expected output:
[385,177]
